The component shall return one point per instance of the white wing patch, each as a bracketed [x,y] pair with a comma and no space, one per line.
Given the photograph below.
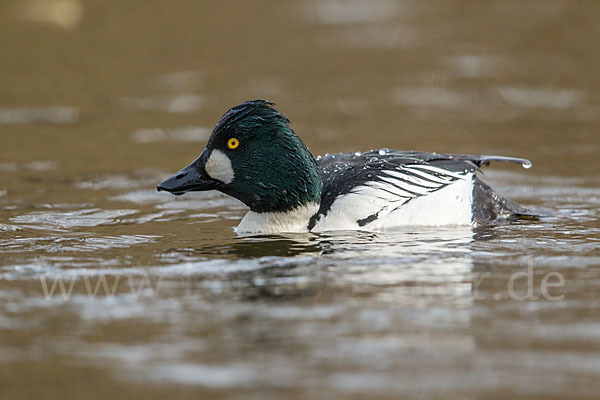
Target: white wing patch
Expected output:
[409,195]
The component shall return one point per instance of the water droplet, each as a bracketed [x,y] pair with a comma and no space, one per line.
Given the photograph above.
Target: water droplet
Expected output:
[527,164]
[383,151]
[373,159]
[358,154]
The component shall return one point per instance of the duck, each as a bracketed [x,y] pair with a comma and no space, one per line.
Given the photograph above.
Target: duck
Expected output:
[254,156]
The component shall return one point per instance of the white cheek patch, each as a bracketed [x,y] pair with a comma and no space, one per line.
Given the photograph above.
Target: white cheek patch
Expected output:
[218,166]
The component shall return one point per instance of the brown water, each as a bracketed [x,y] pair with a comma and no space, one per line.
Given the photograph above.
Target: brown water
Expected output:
[99,102]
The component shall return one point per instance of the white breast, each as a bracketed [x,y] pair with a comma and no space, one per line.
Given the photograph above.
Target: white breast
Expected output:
[277,222]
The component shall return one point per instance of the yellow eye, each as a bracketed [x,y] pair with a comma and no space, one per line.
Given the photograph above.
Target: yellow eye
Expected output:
[233,143]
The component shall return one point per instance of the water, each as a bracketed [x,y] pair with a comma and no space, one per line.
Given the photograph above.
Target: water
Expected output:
[161,299]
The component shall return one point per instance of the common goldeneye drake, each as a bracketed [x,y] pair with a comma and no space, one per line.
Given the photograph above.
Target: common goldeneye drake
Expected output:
[254,156]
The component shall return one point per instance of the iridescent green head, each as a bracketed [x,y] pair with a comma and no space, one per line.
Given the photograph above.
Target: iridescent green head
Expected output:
[254,156]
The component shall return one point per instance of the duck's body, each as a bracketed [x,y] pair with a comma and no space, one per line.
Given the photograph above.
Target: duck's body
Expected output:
[386,189]
[287,190]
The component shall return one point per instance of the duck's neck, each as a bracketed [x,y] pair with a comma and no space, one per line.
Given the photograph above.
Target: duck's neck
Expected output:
[295,220]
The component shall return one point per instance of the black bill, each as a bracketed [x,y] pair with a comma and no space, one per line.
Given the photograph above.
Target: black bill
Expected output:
[191,178]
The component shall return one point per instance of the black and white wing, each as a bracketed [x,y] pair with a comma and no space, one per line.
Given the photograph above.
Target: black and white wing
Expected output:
[380,189]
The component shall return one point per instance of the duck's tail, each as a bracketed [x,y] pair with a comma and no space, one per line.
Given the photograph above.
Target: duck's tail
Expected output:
[489,207]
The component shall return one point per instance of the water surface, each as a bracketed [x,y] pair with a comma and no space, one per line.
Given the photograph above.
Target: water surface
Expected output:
[161,299]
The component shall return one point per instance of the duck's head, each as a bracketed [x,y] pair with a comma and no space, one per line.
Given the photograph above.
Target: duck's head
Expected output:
[254,156]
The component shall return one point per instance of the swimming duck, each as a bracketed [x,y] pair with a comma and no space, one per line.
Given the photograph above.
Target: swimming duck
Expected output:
[254,156]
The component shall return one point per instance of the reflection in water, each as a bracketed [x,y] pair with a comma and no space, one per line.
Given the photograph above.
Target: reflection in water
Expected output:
[180,103]
[373,37]
[186,134]
[261,246]
[546,98]
[70,219]
[429,97]
[351,11]
[179,81]
[477,66]
[25,115]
